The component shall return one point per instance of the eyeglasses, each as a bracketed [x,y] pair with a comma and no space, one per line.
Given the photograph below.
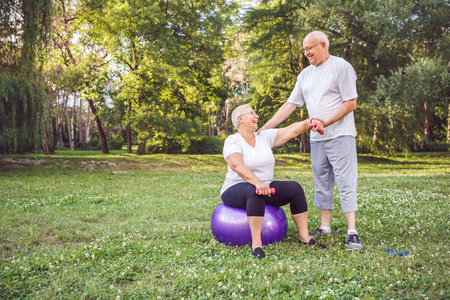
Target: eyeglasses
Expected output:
[252,112]
[309,48]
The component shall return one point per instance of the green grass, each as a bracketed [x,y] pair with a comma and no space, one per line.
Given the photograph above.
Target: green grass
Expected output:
[81,225]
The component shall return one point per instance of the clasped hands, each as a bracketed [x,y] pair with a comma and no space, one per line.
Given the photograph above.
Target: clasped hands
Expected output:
[319,125]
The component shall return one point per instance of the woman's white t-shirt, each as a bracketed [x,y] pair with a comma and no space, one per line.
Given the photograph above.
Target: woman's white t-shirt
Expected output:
[259,159]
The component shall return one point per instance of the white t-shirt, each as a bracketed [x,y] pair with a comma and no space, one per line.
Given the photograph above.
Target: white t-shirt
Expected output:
[259,160]
[324,89]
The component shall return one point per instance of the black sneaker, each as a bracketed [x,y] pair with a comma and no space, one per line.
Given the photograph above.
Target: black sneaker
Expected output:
[352,242]
[318,233]
[258,252]
[313,243]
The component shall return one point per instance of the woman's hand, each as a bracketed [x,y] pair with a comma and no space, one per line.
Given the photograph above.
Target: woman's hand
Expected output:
[263,189]
[308,124]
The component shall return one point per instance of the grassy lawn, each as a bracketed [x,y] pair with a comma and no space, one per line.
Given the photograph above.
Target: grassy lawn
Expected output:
[82,225]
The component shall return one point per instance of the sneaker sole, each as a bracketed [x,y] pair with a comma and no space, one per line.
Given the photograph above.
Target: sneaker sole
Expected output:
[318,236]
[354,247]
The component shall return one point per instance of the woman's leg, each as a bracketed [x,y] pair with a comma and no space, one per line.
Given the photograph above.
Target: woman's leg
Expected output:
[292,192]
[243,195]
[301,221]
[256,224]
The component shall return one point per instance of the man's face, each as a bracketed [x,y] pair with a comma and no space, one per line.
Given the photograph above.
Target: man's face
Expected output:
[317,53]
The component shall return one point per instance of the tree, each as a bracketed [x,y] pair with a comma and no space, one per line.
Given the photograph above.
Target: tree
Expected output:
[271,35]
[411,96]
[75,68]
[377,37]
[24,32]
[168,71]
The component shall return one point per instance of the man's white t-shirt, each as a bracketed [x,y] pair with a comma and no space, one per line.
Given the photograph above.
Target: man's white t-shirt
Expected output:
[259,159]
[324,89]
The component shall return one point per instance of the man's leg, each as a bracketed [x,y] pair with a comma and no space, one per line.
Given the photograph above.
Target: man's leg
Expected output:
[323,185]
[325,218]
[345,168]
[351,220]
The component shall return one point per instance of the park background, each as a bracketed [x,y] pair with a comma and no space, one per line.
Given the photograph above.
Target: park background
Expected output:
[86,85]
[165,75]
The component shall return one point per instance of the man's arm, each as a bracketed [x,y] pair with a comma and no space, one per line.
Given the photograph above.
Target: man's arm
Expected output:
[285,110]
[345,109]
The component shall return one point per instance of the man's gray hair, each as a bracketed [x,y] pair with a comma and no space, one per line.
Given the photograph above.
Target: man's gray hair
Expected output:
[320,37]
[238,111]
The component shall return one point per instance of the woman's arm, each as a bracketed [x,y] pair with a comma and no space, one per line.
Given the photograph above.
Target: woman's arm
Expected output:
[236,163]
[293,130]
[285,110]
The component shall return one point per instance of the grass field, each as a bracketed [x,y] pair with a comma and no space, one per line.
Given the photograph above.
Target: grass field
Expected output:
[81,225]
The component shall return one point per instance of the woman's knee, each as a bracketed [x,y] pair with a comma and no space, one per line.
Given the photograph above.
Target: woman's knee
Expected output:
[295,187]
[255,207]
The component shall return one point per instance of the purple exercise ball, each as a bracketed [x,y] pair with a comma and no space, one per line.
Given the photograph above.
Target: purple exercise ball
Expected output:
[230,225]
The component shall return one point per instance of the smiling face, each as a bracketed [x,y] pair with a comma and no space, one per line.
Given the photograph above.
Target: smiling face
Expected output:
[248,120]
[316,51]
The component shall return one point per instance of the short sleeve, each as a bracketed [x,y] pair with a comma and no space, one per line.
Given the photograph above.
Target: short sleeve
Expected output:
[231,146]
[347,82]
[269,136]
[296,96]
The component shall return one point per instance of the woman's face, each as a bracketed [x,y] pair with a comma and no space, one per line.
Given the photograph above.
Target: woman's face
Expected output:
[250,119]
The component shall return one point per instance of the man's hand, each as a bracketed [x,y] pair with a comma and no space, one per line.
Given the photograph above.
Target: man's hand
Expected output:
[262,129]
[319,127]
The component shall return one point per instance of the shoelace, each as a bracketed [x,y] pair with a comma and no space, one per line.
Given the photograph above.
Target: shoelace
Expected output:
[354,238]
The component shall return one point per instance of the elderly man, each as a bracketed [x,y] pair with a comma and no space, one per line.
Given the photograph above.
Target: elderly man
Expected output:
[328,87]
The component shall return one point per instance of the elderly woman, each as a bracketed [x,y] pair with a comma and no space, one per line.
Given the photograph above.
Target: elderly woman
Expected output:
[251,166]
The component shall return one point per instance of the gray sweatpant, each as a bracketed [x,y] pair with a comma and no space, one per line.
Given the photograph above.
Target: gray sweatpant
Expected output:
[335,160]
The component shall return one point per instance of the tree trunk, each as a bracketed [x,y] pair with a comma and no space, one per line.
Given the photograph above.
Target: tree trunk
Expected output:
[87,136]
[129,139]
[227,103]
[426,122]
[80,122]
[47,130]
[48,150]
[101,133]
[141,148]
[304,141]
[59,126]
[448,122]
[129,133]
[144,126]
[375,130]
[209,123]
[71,134]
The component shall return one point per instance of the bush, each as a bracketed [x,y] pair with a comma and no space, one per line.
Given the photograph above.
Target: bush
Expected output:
[94,144]
[206,145]
[115,142]
[168,146]
[429,147]
[362,147]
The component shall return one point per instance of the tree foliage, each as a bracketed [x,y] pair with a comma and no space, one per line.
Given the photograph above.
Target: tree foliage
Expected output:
[24,32]
[379,38]
[168,72]
[168,55]
[406,102]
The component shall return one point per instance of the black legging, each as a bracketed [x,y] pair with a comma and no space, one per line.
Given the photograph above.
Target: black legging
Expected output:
[243,195]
